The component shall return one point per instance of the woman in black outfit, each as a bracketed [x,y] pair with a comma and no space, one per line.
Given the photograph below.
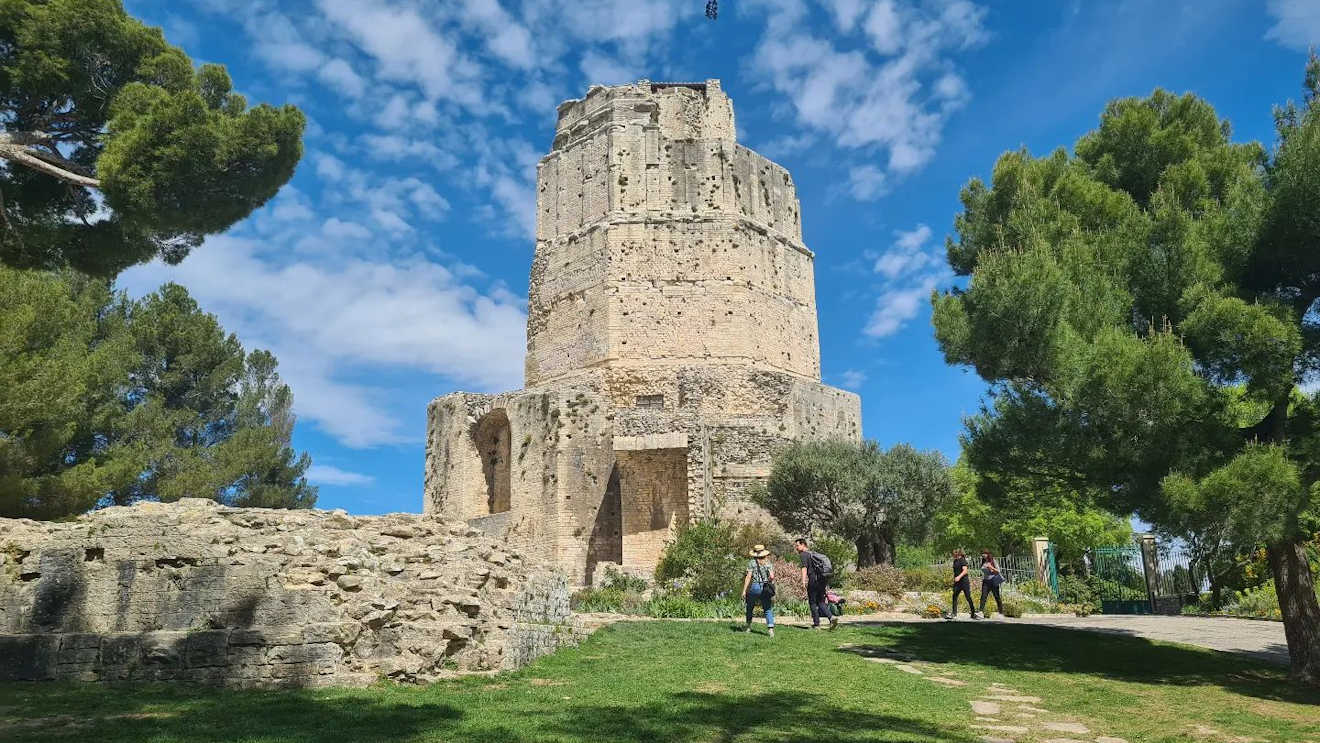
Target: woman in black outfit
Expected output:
[991,579]
[962,583]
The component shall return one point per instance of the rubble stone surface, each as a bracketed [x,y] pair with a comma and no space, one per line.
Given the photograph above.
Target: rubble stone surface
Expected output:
[195,591]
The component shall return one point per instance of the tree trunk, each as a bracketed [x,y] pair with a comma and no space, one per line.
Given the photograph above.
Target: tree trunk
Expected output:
[876,548]
[888,549]
[1301,612]
[866,552]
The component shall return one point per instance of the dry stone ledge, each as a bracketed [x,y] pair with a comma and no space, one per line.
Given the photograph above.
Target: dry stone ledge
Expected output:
[195,591]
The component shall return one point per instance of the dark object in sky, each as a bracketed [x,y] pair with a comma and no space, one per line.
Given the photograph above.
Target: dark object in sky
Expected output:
[712,9]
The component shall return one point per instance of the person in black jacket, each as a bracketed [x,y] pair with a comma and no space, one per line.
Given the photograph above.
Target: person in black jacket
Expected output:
[962,583]
[816,584]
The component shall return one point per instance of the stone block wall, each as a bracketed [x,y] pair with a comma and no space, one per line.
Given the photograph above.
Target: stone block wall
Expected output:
[661,241]
[193,591]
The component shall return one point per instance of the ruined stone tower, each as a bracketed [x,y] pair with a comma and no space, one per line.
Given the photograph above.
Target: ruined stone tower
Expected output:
[671,340]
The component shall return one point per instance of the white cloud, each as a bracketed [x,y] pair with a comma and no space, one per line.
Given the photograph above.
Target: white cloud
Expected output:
[335,324]
[337,74]
[787,144]
[394,147]
[290,205]
[1297,23]
[324,474]
[598,69]
[408,48]
[895,307]
[867,182]
[852,379]
[337,229]
[909,270]
[884,85]
[505,38]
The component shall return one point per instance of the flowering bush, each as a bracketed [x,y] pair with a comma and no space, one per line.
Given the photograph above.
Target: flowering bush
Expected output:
[788,581]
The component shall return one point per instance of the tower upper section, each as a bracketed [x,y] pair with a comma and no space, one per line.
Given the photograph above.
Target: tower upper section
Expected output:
[662,242]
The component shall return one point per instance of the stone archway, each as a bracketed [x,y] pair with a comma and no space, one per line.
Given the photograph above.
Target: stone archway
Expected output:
[495,447]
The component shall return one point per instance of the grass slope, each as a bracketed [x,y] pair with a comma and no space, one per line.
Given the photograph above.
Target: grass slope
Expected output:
[672,681]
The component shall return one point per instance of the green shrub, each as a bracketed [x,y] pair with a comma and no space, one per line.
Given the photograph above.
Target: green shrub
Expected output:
[1012,608]
[927,579]
[610,600]
[766,533]
[1074,590]
[1261,602]
[704,559]
[1036,589]
[617,579]
[885,579]
[794,607]
[842,553]
[1081,610]
[908,556]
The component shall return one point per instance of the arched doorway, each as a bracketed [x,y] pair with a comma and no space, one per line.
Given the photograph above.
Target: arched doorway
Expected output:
[495,446]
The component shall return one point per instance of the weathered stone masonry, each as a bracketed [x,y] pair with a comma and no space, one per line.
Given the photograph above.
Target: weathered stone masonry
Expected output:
[671,343]
[255,597]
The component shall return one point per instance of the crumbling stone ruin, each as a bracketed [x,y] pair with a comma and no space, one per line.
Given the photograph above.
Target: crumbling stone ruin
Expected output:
[194,591]
[671,340]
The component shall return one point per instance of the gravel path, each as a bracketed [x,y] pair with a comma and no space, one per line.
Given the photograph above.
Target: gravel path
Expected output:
[1259,639]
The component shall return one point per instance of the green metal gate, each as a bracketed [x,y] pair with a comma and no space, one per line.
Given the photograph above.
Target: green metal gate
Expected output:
[1122,580]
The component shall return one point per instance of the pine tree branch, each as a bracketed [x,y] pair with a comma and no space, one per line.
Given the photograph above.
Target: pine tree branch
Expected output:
[21,148]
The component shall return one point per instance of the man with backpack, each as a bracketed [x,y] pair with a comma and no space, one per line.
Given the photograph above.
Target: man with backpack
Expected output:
[816,574]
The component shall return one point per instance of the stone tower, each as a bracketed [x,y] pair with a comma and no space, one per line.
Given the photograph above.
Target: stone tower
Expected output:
[671,340]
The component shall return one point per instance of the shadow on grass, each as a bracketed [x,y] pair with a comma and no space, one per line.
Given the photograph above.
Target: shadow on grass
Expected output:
[1112,655]
[769,717]
[136,713]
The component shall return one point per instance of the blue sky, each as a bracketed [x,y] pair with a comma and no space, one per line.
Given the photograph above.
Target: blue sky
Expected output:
[394,267]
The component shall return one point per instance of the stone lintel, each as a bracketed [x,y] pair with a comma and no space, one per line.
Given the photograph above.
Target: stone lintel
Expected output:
[674,440]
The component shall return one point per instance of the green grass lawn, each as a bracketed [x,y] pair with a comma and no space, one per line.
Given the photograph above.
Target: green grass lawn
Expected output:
[699,681]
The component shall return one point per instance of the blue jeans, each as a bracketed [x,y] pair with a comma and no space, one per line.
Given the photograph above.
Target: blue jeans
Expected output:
[754,595]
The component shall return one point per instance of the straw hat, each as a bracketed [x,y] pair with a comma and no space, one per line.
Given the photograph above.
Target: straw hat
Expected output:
[759,551]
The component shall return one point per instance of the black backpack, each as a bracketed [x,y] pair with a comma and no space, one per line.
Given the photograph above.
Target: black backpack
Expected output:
[821,566]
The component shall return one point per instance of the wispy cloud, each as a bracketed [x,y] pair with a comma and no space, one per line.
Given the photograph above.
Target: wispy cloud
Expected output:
[324,474]
[908,271]
[852,379]
[1297,23]
[883,83]
[332,323]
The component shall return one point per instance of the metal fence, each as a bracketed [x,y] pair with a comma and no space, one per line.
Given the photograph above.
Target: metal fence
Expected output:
[1018,570]
[1146,578]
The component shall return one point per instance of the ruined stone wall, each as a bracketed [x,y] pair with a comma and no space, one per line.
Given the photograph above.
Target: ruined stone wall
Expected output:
[561,467]
[250,597]
[604,479]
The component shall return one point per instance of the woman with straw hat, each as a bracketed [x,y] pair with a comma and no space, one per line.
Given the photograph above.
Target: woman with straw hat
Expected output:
[759,586]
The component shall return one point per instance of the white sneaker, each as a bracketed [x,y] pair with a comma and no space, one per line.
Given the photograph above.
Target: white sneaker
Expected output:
[770,631]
